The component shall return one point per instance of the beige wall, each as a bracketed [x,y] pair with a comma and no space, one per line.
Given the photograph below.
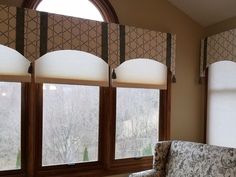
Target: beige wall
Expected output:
[187,121]
[220,27]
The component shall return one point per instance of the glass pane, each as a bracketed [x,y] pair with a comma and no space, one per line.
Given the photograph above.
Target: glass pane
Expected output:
[10,126]
[75,8]
[70,124]
[137,116]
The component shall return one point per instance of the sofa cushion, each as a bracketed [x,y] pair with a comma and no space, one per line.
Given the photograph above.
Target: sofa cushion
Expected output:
[187,159]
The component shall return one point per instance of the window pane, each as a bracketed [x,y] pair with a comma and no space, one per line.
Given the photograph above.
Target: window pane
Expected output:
[70,124]
[137,116]
[75,8]
[10,128]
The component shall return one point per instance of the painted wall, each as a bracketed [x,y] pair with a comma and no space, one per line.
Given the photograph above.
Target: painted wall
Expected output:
[187,121]
[220,27]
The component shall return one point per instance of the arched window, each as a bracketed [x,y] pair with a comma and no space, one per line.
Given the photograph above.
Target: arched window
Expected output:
[73,8]
[98,10]
[102,145]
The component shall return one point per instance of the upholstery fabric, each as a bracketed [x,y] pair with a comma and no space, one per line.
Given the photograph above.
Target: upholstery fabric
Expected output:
[160,156]
[201,160]
[188,159]
[147,173]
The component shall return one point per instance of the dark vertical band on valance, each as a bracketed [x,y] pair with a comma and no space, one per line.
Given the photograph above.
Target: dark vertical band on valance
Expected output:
[205,54]
[43,33]
[20,21]
[122,43]
[105,42]
[168,51]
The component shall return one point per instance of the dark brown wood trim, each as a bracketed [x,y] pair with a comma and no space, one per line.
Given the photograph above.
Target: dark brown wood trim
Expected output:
[137,164]
[12,174]
[31,124]
[104,6]
[78,169]
[24,121]
[107,10]
[205,104]
[165,111]
[31,4]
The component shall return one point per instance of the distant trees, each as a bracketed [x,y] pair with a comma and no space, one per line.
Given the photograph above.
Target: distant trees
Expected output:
[71,122]
[85,156]
[70,129]
[18,160]
[10,118]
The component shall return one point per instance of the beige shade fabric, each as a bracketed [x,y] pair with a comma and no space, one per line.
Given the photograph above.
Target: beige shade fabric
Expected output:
[71,67]
[221,112]
[141,73]
[13,65]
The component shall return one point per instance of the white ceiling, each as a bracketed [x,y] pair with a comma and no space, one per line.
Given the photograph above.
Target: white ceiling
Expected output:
[207,12]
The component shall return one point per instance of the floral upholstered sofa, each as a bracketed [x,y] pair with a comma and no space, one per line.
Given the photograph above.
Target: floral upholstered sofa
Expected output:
[187,159]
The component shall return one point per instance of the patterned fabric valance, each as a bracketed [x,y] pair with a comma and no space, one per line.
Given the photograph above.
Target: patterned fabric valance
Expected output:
[34,34]
[216,48]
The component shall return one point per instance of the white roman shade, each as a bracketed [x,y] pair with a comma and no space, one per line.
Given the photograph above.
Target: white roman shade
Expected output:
[221,112]
[13,65]
[71,67]
[141,73]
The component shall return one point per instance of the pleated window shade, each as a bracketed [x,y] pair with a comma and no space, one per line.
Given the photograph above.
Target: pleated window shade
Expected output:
[13,65]
[140,73]
[221,112]
[71,67]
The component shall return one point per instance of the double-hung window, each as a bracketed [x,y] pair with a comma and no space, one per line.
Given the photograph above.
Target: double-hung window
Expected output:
[70,106]
[139,84]
[13,75]
[81,122]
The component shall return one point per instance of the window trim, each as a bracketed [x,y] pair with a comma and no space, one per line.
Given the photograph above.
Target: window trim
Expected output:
[23,141]
[78,167]
[205,98]
[104,7]
[143,163]
[106,164]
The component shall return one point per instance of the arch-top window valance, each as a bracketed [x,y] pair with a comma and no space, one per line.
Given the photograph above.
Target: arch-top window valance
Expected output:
[13,65]
[140,73]
[68,66]
[35,34]
[216,48]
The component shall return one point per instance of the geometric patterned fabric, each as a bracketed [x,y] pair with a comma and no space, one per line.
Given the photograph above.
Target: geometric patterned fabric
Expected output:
[64,32]
[219,47]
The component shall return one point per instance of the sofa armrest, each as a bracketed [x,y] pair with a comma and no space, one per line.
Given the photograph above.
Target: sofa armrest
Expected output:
[147,173]
[160,157]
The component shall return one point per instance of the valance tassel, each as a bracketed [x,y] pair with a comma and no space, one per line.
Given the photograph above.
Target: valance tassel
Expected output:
[173,79]
[30,69]
[113,76]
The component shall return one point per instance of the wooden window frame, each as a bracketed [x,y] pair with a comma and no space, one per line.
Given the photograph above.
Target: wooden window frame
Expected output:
[104,7]
[205,82]
[106,164]
[23,143]
[77,169]
[128,165]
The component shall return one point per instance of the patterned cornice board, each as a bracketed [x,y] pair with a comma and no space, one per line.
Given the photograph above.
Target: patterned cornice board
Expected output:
[44,32]
[216,48]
